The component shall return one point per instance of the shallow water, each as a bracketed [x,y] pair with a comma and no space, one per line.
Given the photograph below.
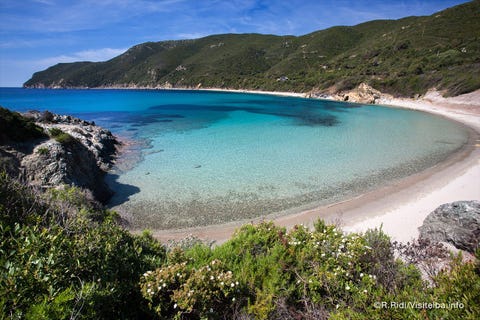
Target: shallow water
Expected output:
[213,157]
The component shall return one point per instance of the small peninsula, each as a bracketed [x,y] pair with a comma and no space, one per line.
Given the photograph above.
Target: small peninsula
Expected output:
[49,150]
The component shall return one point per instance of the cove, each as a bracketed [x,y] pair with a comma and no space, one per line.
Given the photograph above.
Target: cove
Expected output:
[204,158]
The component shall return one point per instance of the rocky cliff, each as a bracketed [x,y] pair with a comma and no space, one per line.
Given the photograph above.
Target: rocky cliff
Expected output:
[72,152]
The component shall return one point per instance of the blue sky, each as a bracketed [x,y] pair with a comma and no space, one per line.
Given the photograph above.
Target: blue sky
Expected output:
[35,34]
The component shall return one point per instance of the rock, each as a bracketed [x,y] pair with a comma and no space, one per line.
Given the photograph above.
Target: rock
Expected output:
[82,161]
[457,223]
[99,141]
[361,94]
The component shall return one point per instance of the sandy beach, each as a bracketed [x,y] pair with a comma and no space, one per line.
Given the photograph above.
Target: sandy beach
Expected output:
[401,206]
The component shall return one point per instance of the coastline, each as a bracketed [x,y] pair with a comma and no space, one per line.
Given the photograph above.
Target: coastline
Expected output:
[399,207]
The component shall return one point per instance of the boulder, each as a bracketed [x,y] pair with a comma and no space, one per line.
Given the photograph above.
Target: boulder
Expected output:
[457,223]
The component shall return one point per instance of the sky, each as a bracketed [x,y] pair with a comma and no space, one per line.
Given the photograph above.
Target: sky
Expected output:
[36,34]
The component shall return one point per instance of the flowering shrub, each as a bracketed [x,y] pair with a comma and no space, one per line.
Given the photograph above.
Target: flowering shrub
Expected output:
[330,269]
[179,290]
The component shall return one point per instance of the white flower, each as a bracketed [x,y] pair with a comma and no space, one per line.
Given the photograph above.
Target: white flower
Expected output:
[347,287]
[361,275]
[175,306]
[164,285]
[212,277]
[221,283]
[236,283]
[149,290]
[365,291]
[233,299]
[232,285]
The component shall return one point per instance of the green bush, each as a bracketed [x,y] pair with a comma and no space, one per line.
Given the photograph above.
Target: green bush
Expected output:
[205,292]
[62,137]
[14,126]
[43,151]
[80,267]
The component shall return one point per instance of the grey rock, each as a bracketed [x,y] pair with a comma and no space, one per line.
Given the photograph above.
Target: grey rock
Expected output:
[457,223]
[48,163]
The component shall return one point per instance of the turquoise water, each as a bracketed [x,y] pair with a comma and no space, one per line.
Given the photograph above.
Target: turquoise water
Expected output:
[213,157]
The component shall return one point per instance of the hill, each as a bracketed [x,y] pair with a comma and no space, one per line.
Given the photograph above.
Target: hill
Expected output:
[402,57]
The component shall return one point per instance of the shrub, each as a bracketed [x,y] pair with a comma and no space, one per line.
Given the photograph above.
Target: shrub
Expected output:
[14,126]
[43,151]
[80,268]
[179,290]
[62,137]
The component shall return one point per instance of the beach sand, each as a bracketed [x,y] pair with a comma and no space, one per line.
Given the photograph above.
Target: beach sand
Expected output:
[401,206]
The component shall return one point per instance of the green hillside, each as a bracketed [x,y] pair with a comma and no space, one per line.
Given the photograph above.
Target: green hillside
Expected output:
[402,57]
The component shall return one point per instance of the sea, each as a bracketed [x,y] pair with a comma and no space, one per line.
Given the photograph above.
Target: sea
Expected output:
[195,158]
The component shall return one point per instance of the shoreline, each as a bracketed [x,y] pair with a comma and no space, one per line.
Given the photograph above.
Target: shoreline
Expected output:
[398,207]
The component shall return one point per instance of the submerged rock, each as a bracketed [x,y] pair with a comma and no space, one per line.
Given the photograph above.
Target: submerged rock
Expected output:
[457,223]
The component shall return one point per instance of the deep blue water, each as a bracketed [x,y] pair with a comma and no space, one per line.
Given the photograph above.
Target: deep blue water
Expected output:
[213,157]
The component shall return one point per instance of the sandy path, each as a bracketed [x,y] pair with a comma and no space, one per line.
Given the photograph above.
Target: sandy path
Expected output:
[401,206]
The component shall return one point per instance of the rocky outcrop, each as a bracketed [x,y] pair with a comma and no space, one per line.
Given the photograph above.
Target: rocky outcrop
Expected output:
[361,94]
[98,141]
[457,223]
[80,158]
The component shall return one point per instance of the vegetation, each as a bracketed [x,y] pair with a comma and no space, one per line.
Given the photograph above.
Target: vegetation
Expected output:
[64,256]
[43,151]
[62,137]
[14,127]
[402,57]
[61,257]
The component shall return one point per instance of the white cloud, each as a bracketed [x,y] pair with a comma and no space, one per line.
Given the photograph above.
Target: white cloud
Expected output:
[85,55]
[193,35]
[67,16]
[45,2]
[13,72]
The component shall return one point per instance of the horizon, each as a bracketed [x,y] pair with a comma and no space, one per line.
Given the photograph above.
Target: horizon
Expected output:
[37,34]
